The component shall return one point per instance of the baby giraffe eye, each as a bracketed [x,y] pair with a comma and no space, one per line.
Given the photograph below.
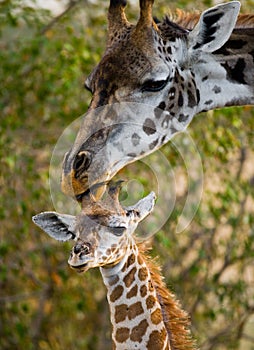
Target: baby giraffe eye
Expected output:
[117,231]
[154,85]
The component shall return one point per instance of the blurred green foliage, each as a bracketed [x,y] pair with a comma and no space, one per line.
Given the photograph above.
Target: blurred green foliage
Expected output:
[210,265]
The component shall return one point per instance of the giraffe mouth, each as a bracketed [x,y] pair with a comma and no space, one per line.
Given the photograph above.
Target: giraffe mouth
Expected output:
[95,191]
[80,268]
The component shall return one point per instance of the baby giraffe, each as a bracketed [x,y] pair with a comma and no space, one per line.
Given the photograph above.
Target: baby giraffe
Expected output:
[144,314]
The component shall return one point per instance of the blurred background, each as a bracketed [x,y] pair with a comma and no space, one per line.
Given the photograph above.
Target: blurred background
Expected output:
[47,48]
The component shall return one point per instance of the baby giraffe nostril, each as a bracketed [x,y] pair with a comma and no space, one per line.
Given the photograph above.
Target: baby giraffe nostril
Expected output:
[77,248]
[85,250]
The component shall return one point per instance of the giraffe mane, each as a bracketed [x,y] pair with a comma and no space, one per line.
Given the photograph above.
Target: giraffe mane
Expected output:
[177,321]
[245,21]
[188,20]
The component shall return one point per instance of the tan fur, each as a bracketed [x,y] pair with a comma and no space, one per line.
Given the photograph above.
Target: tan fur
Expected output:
[189,20]
[176,320]
[245,21]
[146,17]
[116,16]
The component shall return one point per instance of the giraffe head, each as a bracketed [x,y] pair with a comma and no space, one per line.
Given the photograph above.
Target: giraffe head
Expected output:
[144,90]
[102,232]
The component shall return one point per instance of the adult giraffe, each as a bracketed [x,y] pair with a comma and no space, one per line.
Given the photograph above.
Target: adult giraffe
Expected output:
[152,79]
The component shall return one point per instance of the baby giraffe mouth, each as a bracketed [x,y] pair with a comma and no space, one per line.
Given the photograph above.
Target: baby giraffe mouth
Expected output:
[80,268]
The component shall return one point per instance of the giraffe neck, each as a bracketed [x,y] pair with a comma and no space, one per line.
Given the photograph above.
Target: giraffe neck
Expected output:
[138,307]
[226,78]
[136,314]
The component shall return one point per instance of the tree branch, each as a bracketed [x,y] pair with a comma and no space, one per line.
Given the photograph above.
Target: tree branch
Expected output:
[70,6]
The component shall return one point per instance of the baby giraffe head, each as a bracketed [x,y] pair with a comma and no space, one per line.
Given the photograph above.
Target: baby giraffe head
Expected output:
[102,232]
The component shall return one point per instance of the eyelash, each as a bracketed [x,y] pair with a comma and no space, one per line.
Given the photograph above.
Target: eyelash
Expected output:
[88,88]
[118,231]
[148,86]
[154,86]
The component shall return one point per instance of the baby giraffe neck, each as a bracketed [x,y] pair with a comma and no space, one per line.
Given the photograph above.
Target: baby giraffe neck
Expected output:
[136,314]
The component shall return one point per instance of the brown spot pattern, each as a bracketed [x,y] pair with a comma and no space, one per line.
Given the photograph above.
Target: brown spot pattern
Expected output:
[157,340]
[130,277]
[149,126]
[121,312]
[132,292]
[131,260]
[153,144]
[139,331]
[124,268]
[135,139]
[143,291]
[142,274]
[122,334]
[150,301]
[150,286]
[108,251]
[116,294]
[156,316]
[114,279]
[140,261]
[135,310]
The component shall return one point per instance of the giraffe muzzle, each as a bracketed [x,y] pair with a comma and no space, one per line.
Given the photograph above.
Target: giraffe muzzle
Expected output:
[79,257]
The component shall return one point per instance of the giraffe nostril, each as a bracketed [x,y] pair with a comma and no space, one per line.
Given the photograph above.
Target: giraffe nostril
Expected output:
[85,250]
[82,161]
[77,248]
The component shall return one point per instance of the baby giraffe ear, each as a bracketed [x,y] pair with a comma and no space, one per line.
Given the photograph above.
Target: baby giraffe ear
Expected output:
[214,27]
[57,226]
[144,207]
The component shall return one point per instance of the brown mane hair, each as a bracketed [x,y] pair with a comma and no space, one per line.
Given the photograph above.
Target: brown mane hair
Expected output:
[176,320]
[188,20]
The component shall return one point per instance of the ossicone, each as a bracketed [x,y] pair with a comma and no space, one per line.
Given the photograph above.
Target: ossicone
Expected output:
[146,13]
[116,15]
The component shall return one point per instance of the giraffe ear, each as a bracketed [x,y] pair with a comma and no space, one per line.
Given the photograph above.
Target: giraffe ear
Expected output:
[214,27]
[57,226]
[144,207]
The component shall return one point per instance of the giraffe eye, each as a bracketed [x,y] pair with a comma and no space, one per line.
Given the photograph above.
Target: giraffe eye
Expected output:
[117,231]
[154,85]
